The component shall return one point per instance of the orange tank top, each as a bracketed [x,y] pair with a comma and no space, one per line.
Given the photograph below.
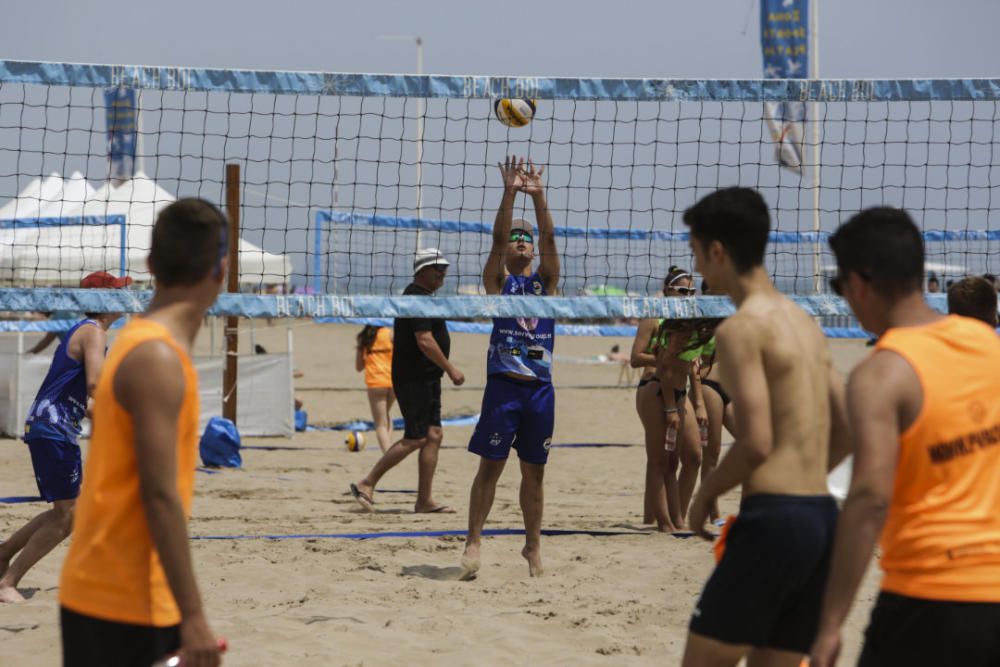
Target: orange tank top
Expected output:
[941,539]
[112,570]
[378,361]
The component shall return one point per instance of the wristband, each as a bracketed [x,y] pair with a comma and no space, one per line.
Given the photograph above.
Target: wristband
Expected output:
[670,410]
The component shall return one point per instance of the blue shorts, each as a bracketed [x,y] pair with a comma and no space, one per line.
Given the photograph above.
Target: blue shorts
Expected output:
[58,469]
[518,414]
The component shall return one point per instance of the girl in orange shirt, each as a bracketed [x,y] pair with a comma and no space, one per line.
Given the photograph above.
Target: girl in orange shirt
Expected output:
[374,357]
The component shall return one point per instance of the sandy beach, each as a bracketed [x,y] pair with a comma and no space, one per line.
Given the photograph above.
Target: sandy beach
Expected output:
[284,590]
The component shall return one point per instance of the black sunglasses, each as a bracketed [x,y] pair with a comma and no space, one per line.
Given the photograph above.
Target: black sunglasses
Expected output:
[519,235]
[686,291]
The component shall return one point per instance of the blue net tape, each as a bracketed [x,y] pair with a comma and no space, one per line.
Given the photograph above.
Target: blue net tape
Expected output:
[449,307]
[487,87]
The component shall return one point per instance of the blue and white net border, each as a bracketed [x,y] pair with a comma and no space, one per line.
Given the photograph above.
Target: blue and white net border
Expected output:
[448,307]
[489,87]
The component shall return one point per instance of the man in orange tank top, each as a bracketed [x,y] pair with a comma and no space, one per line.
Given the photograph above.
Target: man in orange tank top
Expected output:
[925,416]
[128,591]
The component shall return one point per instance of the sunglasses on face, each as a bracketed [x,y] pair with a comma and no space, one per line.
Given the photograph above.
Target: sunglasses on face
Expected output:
[683,291]
[518,235]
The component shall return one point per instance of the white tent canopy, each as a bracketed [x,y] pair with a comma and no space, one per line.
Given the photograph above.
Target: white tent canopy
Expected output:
[48,198]
[64,254]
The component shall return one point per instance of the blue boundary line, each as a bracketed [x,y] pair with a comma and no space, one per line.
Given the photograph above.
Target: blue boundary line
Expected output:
[490,87]
[489,532]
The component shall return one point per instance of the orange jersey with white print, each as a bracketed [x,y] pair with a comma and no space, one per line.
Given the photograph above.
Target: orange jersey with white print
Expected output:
[113,571]
[941,540]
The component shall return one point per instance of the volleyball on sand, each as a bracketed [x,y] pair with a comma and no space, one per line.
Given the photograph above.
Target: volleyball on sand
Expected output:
[355,441]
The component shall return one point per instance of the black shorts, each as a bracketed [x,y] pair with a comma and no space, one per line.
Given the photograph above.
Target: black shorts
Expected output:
[717,388]
[420,403]
[92,642]
[912,631]
[767,588]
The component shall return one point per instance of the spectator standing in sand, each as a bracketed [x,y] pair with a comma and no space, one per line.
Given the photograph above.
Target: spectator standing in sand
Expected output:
[374,358]
[421,346]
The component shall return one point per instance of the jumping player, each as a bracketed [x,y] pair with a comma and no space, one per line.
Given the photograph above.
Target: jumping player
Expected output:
[519,402]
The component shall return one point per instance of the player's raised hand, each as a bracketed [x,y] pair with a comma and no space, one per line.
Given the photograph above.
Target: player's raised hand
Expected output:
[532,179]
[512,173]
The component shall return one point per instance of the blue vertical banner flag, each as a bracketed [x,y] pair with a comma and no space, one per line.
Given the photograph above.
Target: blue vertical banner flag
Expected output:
[121,118]
[784,42]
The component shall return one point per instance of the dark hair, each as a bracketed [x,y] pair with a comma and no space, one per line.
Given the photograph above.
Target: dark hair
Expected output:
[974,297]
[189,242]
[883,246]
[366,337]
[738,219]
[673,273]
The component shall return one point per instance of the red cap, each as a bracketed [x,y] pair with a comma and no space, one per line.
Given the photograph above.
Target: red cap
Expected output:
[104,280]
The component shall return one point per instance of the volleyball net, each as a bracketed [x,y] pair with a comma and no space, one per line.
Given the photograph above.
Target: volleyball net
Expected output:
[345,176]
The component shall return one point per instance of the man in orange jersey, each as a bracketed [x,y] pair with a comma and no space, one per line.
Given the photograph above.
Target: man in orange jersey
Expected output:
[763,598]
[128,590]
[925,412]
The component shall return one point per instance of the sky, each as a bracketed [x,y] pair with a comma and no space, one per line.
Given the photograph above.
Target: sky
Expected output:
[583,38]
[578,38]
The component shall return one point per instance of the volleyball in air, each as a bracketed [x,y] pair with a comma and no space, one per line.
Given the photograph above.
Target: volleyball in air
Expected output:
[514,112]
[355,441]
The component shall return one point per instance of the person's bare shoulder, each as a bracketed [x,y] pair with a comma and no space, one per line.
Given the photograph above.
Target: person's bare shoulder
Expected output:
[747,324]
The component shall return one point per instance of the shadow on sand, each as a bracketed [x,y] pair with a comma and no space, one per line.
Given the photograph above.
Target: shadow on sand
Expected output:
[454,573]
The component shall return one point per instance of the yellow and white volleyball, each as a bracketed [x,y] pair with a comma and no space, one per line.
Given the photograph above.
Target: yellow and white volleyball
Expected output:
[355,441]
[514,112]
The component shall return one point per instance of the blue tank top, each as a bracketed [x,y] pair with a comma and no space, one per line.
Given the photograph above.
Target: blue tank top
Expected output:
[61,402]
[522,345]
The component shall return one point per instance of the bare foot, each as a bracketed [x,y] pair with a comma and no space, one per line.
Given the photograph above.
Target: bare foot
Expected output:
[534,558]
[434,509]
[470,562]
[362,494]
[10,594]
[665,528]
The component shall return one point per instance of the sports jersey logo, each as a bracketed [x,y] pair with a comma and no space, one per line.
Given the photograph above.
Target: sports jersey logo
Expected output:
[537,287]
[547,444]
[495,440]
[528,323]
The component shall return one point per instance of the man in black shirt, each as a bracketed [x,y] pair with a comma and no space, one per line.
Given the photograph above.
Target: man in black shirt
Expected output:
[420,357]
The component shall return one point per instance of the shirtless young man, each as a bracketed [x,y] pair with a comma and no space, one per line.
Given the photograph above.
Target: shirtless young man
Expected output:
[762,600]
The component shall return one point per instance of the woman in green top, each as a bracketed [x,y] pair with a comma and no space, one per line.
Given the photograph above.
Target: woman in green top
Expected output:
[667,412]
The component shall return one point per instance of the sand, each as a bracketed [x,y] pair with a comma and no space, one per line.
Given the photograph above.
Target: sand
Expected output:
[621,599]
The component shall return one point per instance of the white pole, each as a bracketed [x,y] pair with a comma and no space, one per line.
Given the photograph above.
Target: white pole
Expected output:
[18,419]
[420,139]
[815,122]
